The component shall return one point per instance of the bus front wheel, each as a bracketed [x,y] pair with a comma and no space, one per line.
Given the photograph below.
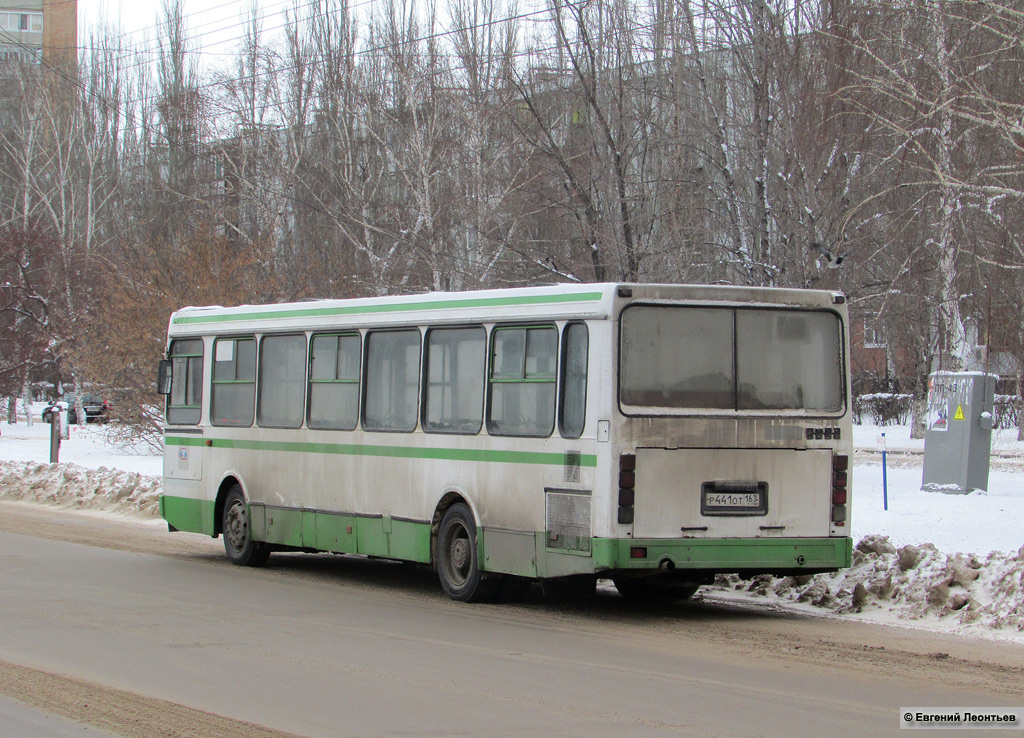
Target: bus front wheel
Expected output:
[241,549]
[457,557]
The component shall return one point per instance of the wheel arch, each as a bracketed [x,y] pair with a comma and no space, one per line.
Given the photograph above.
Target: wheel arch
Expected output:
[449,498]
[226,485]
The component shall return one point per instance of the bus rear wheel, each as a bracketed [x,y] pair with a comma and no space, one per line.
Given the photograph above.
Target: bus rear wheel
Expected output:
[241,549]
[457,557]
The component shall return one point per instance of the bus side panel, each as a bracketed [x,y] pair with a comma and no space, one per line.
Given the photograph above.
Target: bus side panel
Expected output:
[339,492]
[512,504]
[528,555]
[509,552]
[283,526]
[553,563]
[186,513]
[183,457]
[182,503]
[337,533]
[409,541]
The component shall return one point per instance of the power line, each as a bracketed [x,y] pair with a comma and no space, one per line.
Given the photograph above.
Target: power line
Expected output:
[77,84]
[159,24]
[528,52]
[154,48]
[342,8]
[525,53]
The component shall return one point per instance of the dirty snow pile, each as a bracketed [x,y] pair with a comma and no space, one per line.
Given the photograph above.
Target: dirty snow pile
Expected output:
[71,486]
[912,582]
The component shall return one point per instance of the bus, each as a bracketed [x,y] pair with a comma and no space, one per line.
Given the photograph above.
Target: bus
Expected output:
[655,435]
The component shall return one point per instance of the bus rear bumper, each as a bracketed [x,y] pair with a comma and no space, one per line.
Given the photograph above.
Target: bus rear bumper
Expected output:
[780,556]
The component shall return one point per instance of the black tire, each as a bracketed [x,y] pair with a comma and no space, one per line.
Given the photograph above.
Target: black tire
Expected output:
[457,559]
[646,588]
[241,549]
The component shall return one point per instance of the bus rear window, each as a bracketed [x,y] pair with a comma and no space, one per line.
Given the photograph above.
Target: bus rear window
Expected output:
[677,359]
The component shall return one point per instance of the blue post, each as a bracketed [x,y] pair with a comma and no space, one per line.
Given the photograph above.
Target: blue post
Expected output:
[885,486]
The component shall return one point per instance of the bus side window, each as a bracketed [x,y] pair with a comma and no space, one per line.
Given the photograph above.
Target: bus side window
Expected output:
[392,380]
[454,380]
[522,381]
[184,404]
[334,381]
[233,394]
[282,385]
[573,408]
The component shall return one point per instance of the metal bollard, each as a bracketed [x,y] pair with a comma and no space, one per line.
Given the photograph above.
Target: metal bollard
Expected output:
[55,436]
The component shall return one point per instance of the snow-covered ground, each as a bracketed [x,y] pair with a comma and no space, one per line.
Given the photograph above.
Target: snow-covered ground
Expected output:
[979,522]
[949,562]
[89,446]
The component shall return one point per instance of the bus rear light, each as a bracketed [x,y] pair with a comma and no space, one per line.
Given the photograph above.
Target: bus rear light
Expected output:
[626,497]
[627,462]
[625,516]
[627,479]
[839,514]
[638,552]
[840,482]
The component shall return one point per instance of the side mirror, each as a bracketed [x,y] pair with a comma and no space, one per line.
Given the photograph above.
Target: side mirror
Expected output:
[163,378]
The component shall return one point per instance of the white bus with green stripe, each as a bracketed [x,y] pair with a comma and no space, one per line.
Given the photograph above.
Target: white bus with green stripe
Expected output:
[654,435]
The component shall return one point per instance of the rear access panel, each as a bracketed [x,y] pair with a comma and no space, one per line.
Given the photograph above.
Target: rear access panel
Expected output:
[730,493]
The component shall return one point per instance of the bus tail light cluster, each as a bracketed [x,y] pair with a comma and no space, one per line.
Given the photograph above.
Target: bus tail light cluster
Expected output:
[627,487]
[840,465]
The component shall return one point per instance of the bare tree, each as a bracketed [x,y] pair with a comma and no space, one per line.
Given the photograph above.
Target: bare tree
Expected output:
[931,79]
[486,221]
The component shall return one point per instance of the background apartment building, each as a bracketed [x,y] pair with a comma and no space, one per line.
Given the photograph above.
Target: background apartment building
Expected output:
[35,30]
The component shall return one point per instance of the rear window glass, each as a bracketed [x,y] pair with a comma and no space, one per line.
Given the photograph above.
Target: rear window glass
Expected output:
[730,359]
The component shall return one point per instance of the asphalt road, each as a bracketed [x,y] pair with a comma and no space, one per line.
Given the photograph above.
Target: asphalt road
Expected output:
[18,720]
[182,643]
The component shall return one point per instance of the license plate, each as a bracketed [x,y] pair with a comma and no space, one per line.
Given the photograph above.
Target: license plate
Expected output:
[734,498]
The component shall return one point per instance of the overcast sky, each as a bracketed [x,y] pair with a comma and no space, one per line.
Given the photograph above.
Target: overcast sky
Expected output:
[214,25]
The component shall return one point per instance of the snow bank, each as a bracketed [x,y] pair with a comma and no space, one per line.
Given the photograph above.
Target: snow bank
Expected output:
[911,583]
[68,485]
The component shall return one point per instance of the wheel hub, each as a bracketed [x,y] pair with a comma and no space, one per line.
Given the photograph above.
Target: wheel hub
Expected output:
[236,527]
[460,554]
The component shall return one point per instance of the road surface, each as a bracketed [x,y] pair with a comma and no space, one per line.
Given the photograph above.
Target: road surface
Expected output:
[140,633]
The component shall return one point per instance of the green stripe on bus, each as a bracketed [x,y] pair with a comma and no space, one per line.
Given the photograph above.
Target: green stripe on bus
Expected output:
[395,452]
[399,307]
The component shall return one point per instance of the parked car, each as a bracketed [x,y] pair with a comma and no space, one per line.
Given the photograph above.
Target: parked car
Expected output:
[95,407]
